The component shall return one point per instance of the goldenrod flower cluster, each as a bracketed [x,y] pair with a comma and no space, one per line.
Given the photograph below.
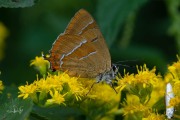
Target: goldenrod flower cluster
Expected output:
[173,77]
[144,92]
[61,89]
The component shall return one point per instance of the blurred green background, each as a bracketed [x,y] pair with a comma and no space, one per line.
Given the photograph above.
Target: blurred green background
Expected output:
[146,31]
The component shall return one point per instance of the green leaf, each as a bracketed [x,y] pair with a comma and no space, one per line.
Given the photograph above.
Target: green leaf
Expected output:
[56,113]
[12,108]
[17,3]
[112,14]
[9,93]
[16,109]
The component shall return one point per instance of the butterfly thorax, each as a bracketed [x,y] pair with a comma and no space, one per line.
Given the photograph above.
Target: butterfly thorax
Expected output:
[108,76]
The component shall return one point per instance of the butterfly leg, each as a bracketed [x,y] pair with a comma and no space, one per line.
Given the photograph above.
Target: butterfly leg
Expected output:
[98,80]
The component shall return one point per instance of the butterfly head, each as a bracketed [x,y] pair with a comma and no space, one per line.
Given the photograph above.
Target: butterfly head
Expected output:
[114,70]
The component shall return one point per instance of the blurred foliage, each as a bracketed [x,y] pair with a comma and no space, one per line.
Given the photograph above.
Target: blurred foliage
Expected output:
[16,3]
[134,30]
[3,36]
[112,14]
[174,11]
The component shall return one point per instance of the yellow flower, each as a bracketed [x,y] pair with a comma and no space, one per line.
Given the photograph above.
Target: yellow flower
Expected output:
[125,81]
[99,91]
[173,76]
[72,84]
[173,72]
[40,64]
[158,92]
[153,116]
[140,84]
[76,88]
[57,98]
[3,35]
[145,77]
[1,86]
[176,87]
[175,101]
[60,82]
[133,106]
[48,83]
[27,90]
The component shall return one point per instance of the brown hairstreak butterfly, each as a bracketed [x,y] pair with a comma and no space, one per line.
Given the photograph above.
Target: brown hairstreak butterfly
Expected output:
[81,50]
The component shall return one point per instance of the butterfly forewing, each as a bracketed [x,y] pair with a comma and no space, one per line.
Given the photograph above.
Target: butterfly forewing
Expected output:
[81,20]
[81,49]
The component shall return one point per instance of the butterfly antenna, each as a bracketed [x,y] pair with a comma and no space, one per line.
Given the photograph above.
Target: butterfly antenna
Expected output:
[126,61]
[125,65]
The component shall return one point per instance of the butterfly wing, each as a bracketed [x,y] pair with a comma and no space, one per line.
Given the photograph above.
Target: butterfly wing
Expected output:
[81,49]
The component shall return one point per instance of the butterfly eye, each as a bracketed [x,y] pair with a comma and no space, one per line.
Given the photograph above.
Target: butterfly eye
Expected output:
[115,68]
